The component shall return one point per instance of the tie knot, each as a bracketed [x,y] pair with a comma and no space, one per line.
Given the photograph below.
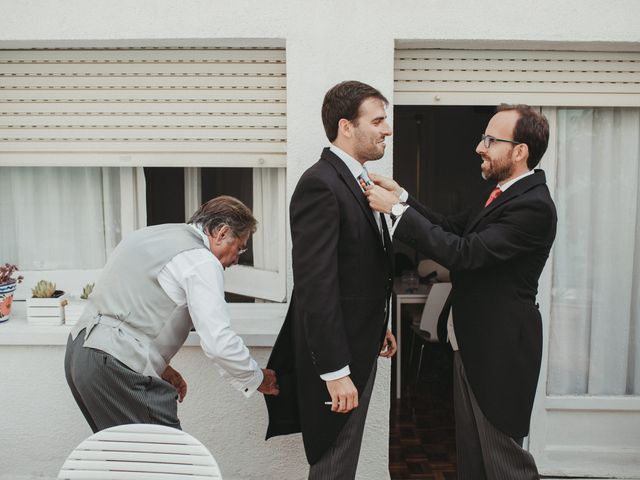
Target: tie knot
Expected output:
[495,193]
[364,177]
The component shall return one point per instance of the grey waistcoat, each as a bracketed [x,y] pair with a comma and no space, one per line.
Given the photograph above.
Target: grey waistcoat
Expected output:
[128,313]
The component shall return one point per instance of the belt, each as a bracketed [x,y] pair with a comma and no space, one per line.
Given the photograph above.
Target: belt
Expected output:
[108,321]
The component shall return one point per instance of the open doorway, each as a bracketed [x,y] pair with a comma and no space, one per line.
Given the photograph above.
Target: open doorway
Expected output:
[434,154]
[434,159]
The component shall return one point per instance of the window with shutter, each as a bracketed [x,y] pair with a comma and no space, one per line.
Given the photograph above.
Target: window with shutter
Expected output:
[85,132]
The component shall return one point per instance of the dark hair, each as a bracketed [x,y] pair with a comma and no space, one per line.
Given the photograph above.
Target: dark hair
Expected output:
[532,128]
[225,210]
[343,101]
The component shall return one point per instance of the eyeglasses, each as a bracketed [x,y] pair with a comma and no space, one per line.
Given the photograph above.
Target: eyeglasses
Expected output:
[488,140]
[241,246]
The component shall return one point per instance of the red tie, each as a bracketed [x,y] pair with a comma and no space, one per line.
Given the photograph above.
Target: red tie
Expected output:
[495,193]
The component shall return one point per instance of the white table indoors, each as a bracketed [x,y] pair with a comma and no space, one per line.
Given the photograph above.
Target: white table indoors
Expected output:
[403,297]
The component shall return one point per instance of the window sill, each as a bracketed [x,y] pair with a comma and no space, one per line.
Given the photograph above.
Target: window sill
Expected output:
[257,324]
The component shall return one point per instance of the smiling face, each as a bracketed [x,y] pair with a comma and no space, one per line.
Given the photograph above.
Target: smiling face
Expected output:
[499,161]
[367,133]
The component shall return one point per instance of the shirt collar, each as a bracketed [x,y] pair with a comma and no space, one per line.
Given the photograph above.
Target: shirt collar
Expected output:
[205,239]
[198,228]
[354,166]
[506,185]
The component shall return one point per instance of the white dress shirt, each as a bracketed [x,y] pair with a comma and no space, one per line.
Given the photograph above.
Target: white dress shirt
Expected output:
[355,167]
[194,281]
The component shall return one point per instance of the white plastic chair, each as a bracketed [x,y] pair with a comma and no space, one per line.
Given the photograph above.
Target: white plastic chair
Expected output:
[428,267]
[140,452]
[427,331]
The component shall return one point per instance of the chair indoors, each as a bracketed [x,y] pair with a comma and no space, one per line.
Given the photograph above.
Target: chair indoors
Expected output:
[425,330]
[430,270]
[140,451]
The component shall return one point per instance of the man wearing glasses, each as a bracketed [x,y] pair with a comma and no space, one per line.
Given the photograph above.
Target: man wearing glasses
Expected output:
[158,283]
[496,251]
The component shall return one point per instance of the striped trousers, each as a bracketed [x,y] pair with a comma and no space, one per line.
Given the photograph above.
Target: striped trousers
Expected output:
[340,461]
[109,393]
[483,451]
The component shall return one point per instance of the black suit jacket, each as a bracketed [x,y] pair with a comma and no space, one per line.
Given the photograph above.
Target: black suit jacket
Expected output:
[496,255]
[338,310]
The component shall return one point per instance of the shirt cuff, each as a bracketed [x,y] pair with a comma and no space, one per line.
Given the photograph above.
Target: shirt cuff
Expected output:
[396,220]
[404,196]
[343,372]
[253,384]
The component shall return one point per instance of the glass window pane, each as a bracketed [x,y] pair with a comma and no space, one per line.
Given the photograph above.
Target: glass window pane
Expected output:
[595,311]
[62,219]
[59,218]
[237,182]
[164,195]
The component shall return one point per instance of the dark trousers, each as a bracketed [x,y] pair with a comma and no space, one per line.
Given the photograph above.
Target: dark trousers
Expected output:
[484,452]
[109,393]
[340,461]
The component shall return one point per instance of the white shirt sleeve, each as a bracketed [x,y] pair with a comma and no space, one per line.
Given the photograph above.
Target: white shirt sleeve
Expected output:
[199,276]
[403,197]
[343,372]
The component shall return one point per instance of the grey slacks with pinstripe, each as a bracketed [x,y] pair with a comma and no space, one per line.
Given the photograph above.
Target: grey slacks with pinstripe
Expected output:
[110,393]
[340,461]
[483,451]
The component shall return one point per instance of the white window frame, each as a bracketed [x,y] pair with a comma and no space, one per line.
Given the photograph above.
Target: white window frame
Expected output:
[247,280]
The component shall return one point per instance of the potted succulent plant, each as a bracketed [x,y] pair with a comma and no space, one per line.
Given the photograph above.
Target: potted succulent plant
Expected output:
[75,306]
[46,306]
[8,284]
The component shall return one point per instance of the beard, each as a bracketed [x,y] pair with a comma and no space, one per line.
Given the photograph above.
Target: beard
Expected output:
[366,150]
[370,153]
[497,169]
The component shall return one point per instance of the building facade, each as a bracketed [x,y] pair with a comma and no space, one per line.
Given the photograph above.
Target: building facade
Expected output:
[120,112]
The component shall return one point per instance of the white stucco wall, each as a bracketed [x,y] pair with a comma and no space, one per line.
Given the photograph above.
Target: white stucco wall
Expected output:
[41,423]
[327,41]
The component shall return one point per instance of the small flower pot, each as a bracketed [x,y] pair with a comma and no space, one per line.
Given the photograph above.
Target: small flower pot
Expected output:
[6,300]
[46,311]
[73,310]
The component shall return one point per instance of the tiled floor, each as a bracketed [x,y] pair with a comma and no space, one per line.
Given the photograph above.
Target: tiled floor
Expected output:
[421,433]
[421,442]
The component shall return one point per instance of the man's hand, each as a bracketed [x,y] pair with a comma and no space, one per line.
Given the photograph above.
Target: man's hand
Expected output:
[269,385]
[389,346]
[344,395]
[380,199]
[174,378]
[386,183]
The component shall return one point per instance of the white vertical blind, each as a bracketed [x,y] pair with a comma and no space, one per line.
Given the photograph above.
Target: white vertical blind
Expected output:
[61,218]
[594,346]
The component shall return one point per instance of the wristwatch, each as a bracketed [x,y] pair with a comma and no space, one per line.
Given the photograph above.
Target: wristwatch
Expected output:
[398,209]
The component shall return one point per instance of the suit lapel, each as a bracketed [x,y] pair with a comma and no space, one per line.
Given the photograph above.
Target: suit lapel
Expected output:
[345,174]
[515,190]
[387,242]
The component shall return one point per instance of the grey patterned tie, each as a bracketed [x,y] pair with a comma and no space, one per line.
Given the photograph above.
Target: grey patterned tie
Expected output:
[364,177]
